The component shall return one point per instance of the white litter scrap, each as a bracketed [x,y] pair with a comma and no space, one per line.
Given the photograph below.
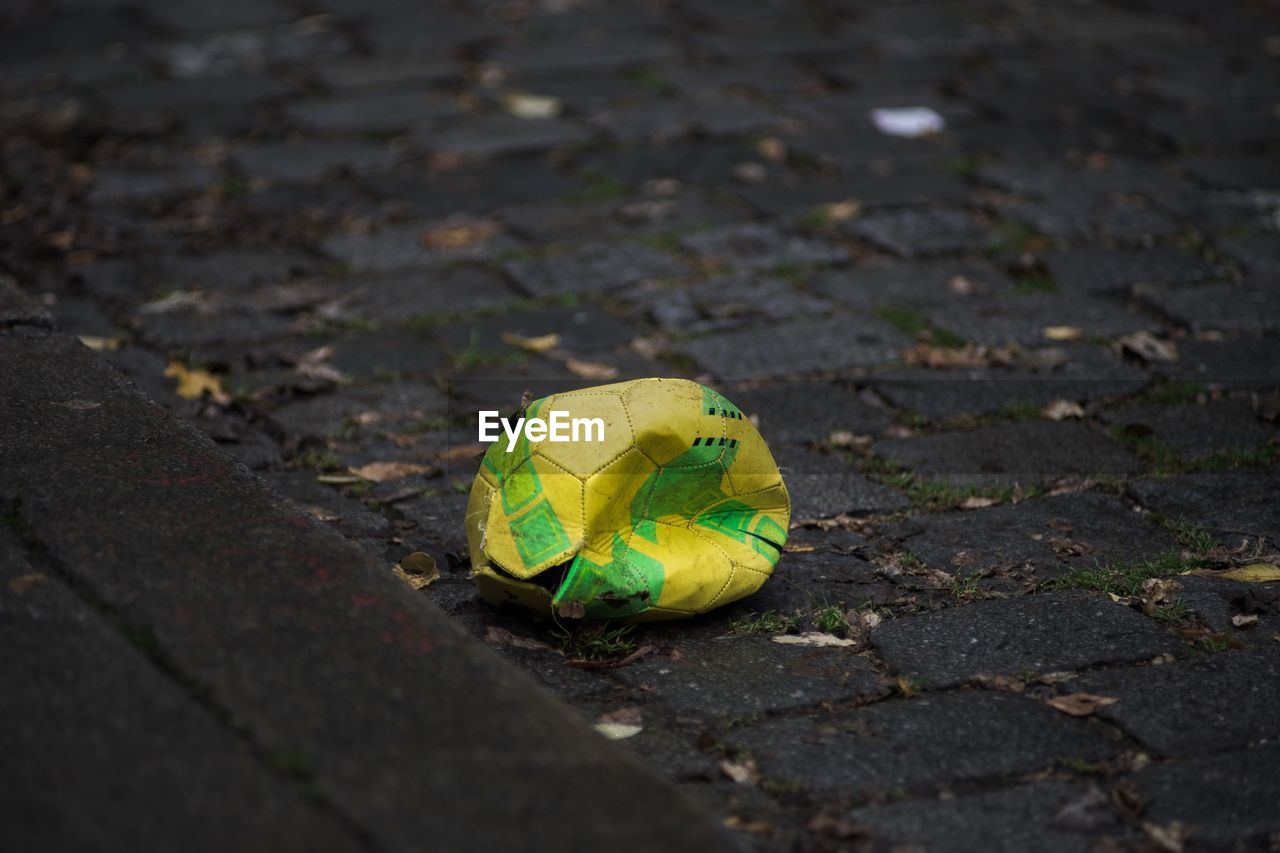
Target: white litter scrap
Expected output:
[909,122]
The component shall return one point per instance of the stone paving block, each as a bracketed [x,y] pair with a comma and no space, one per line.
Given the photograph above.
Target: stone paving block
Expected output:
[869,286]
[1049,178]
[227,269]
[191,98]
[370,112]
[191,16]
[806,346]
[1028,452]
[914,233]
[762,75]
[742,676]
[1014,819]
[191,329]
[915,744]
[724,302]
[663,120]
[1069,217]
[312,159]
[790,196]
[826,485]
[1022,319]
[1046,632]
[383,352]
[1260,255]
[380,407]
[401,246]
[586,50]
[81,703]
[428,294]
[1091,373]
[1226,801]
[582,329]
[1231,505]
[754,246]
[499,135]
[1138,224]
[808,411]
[1094,269]
[210,55]
[1195,430]
[367,72]
[1245,363]
[1043,535]
[1245,308]
[596,266]
[803,583]
[1236,172]
[114,186]
[1209,703]
[476,188]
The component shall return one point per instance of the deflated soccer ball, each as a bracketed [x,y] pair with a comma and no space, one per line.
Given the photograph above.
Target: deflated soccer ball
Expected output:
[676,509]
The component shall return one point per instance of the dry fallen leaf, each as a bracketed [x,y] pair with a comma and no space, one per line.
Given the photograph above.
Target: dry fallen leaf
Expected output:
[772,149]
[994,681]
[1148,347]
[383,472]
[1159,592]
[813,638]
[976,502]
[842,211]
[99,344]
[538,343]
[194,382]
[457,235]
[1244,620]
[1253,573]
[418,570]
[1061,410]
[744,772]
[591,369]
[830,825]
[503,638]
[617,731]
[742,824]
[1080,704]
[337,479]
[1062,333]
[25,583]
[941,358]
[524,105]
[798,548]
[463,452]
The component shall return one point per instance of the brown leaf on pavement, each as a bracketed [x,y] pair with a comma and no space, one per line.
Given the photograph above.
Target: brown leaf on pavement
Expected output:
[1062,333]
[1159,592]
[457,235]
[1081,704]
[1060,410]
[383,472]
[536,344]
[418,570]
[502,638]
[742,772]
[1147,347]
[591,369]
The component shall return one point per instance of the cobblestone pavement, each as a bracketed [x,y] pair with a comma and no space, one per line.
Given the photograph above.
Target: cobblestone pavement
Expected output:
[1014,371]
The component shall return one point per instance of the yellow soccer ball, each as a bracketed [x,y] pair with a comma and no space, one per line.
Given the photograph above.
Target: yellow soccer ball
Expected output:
[675,509]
